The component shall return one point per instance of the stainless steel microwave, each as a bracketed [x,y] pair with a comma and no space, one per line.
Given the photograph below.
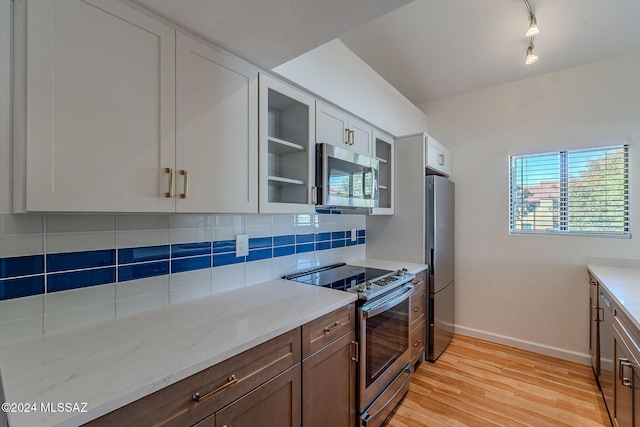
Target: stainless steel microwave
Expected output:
[346,179]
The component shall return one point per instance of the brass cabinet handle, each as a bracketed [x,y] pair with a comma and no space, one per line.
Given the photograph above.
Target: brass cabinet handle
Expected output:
[417,343]
[231,381]
[353,137]
[314,195]
[441,159]
[170,172]
[418,308]
[355,351]
[186,184]
[332,328]
[348,141]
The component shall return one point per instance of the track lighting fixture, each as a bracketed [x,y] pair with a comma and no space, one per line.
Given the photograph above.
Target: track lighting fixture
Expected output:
[532,31]
[533,26]
[531,57]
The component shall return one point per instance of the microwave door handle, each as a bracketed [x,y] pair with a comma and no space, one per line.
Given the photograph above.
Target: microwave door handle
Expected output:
[378,309]
[364,181]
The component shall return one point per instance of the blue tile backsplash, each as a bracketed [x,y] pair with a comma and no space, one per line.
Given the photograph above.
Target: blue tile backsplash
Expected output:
[82,269]
[59,271]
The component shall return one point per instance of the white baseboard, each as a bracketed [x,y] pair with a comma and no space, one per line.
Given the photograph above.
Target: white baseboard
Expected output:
[560,353]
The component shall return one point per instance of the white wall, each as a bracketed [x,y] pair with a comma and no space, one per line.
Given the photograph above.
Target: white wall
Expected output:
[335,73]
[532,291]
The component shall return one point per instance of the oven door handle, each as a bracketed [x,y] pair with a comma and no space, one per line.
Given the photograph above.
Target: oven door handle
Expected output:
[366,417]
[370,312]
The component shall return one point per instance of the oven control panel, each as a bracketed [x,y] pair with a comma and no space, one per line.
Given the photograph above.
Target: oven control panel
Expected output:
[381,285]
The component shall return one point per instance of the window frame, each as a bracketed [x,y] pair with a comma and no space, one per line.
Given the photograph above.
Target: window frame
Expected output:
[563,181]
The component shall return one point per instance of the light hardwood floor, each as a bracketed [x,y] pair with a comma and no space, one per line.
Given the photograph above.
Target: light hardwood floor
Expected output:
[480,383]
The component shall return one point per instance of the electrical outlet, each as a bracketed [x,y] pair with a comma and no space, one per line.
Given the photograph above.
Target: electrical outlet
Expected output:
[242,245]
[354,234]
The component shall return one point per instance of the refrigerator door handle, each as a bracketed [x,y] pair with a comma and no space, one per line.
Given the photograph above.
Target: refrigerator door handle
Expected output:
[431,264]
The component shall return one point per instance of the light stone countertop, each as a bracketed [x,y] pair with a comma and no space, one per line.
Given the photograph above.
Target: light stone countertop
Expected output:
[113,363]
[623,283]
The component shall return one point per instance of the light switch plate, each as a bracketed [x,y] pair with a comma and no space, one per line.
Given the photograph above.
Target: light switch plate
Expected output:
[242,244]
[354,234]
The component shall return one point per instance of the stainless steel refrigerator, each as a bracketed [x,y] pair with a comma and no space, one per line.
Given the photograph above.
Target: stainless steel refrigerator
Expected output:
[439,253]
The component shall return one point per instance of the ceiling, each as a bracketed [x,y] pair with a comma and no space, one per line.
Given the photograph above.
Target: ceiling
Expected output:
[269,33]
[432,49]
[427,49]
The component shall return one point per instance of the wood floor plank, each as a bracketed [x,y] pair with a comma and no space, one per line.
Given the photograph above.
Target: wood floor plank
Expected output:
[479,383]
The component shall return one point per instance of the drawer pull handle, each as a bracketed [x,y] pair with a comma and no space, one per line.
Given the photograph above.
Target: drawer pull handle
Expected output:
[335,326]
[231,381]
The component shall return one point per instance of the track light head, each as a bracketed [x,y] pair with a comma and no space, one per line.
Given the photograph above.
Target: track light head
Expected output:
[531,57]
[533,26]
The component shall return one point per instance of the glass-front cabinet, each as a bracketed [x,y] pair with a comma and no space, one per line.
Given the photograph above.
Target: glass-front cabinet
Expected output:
[384,155]
[287,148]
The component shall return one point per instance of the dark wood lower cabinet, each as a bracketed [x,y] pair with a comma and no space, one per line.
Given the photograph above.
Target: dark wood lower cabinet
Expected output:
[274,404]
[329,385]
[269,385]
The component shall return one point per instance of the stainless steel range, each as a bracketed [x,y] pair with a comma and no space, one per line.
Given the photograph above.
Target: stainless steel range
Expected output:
[383,333]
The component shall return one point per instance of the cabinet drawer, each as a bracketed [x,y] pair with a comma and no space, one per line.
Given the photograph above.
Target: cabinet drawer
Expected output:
[274,404]
[628,333]
[322,331]
[418,312]
[174,405]
[417,342]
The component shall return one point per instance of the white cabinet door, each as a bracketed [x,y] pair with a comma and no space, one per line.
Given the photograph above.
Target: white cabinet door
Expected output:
[217,130]
[99,124]
[338,128]
[287,148]
[361,137]
[384,153]
[332,126]
[438,156]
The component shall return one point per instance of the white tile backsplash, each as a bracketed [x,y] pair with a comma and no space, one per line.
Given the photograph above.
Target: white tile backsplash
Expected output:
[228,277]
[74,298]
[58,223]
[137,238]
[21,245]
[22,235]
[80,241]
[189,285]
[21,308]
[21,329]
[142,287]
[79,316]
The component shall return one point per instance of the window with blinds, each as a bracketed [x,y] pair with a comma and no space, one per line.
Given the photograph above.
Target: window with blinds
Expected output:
[573,192]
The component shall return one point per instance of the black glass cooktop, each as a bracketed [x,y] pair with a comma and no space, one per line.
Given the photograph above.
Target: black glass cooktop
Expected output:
[338,276]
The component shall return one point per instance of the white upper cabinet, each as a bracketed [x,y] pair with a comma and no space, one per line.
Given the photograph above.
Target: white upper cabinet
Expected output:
[438,157]
[287,150]
[217,130]
[94,107]
[338,128]
[123,115]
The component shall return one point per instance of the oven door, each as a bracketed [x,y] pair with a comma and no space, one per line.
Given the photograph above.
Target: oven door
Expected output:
[384,343]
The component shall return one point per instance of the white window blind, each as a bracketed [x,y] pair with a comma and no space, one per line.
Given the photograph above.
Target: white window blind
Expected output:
[575,191]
